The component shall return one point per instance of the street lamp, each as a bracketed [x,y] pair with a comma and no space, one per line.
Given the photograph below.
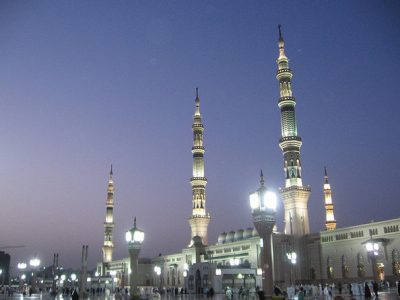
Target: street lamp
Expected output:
[373,251]
[21,266]
[157,270]
[292,258]
[234,262]
[134,237]
[263,207]
[34,263]
[113,273]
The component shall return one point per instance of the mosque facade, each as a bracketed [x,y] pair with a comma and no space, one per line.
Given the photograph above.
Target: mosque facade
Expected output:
[366,251]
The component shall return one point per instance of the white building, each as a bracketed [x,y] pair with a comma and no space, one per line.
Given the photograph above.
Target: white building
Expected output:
[334,255]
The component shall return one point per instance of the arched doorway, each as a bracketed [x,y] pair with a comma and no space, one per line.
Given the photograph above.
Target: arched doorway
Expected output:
[198,282]
[380,268]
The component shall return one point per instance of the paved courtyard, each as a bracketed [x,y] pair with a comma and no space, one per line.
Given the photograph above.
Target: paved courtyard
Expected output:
[392,294]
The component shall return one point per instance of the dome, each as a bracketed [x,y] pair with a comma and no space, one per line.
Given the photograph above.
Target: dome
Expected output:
[222,238]
[255,233]
[230,237]
[238,235]
[248,233]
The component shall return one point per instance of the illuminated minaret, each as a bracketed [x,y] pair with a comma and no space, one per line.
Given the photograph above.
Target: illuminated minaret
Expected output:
[294,195]
[109,222]
[330,222]
[200,218]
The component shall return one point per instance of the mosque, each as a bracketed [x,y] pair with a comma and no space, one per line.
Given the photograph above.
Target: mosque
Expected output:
[366,251]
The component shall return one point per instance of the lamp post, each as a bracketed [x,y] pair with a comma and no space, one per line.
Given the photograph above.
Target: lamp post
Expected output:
[21,266]
[134,238]
[157,270]
[373,251]
[263,207]
[113,273]
[73,279]
[292,258]
[34,263]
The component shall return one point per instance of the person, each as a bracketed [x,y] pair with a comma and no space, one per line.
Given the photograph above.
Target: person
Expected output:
[277,291]
[300,295]
[375,287]
[229,293]
[260,293]
[367,291]
[340,287]
[350,290]
[75,295]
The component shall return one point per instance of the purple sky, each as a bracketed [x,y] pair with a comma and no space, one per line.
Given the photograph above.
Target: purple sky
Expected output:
[84,84]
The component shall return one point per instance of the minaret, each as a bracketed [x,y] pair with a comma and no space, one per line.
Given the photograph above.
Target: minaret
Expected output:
[294,195]
[109,222]
[199,219]
[330,222]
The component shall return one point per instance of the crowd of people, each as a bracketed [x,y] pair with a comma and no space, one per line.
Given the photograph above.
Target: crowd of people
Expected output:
[368,289]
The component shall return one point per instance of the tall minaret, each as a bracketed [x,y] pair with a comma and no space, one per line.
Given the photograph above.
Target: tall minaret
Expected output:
[199,219]
[330,222]
[109,222]
[294,195]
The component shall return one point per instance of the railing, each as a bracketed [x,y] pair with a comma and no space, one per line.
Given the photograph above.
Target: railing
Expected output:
[287,70]
[287,98]
[290,138]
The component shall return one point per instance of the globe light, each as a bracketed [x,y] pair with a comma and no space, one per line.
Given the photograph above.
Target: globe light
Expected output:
[218,272]
[376,246]
[270,200]
[138,236]
[34,262]
[234,261]
[89,279]
[21,266]
[259,271]
[96,274]
[134,235]
[128,236]
[157,270]
[73,276]
[23,276]
[184,273]
[369,246]
[63,277]
[254,201]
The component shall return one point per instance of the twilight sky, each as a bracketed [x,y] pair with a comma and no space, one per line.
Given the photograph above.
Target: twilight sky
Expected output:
[84,84]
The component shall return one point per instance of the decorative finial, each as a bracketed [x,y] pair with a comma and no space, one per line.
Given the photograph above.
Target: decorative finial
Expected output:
[197,92]
[280,33]
[262,178]
[134,222]
[111,171]
[326,176]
